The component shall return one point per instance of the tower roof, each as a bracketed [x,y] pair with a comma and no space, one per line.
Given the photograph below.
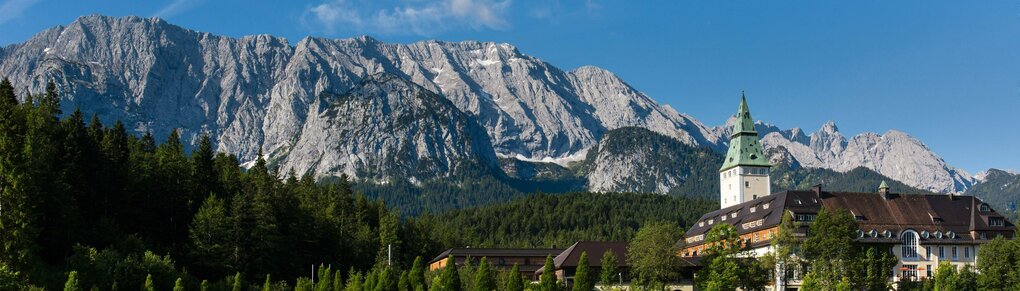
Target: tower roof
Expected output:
[744,148]
[744,124]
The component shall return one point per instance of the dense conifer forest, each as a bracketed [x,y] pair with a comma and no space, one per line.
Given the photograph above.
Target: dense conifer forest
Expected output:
[111,210]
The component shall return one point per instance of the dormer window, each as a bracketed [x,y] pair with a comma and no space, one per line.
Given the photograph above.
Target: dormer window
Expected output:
[887,233]
[753,208]
[766,206]
[938,234]
[951,235]
[996,221]
[985,208]
[925,234]
[873,233]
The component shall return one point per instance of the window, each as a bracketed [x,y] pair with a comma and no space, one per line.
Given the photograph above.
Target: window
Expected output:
[996,221]
[909,271]
[723,218]
[925,234]
[985,208]
[954,253]
[927,253]
[733,215]
[747,184]
[942,252]
[805,217]
[755,237]
[753,208]
[966,252]
[766,206]
[928,271]
[909,249]
[983,235]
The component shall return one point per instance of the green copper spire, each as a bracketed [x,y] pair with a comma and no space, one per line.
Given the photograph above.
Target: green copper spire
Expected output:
[744,124]
[744,150]
[883,186]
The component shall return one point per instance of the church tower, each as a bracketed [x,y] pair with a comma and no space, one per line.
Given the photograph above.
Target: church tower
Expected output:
[745,171]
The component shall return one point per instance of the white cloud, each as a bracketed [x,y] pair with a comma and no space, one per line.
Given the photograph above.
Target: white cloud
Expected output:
[175,7]
[421,18]
[12,9]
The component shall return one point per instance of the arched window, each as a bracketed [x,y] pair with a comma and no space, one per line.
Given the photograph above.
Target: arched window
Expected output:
[909,240]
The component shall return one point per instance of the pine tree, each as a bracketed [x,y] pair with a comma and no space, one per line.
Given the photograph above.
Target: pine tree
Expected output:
[72,282]
[149,285]
[609,274]
[179,285]
[484,280]
[514,281]
[547,282]
[582,278]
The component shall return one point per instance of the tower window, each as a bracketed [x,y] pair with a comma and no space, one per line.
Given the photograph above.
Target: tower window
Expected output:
[747,184]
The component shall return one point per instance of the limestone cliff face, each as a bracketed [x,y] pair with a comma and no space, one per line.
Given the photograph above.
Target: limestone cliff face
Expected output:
[893,154]
[263,93]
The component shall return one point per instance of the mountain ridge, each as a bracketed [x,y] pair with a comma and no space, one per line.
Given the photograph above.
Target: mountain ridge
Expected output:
[257,93]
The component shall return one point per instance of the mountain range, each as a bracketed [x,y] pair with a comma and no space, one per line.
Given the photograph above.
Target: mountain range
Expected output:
[416,112]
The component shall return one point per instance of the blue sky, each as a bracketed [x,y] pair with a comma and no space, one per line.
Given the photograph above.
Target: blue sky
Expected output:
[945,72]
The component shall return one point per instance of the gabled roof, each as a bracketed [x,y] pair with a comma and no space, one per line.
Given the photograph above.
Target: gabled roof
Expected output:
[571,257]
[496,252]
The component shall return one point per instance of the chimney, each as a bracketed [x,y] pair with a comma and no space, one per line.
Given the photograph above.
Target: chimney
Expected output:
[817,189]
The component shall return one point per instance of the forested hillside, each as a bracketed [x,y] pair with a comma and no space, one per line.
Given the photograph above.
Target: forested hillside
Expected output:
[1001,189]
[81,196]
[560,220]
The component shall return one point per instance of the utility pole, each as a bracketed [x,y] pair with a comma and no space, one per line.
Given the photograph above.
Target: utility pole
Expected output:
[389,255]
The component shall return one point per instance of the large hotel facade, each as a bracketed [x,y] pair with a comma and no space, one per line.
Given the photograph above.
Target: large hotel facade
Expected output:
[919,230]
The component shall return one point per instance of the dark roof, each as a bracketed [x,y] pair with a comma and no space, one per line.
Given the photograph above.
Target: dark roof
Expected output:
[875,211]
[572,255]
[495,252]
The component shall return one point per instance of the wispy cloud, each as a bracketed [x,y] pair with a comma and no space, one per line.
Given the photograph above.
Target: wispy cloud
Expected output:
[176,7]
[421,18]
[12,9]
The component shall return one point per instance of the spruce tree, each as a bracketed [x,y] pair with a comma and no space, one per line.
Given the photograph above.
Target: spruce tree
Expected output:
[209,233]
[609,273]
[17,212]
[268,284]
[484,280]
[582,278]
[450,279]
[404,284]
[238,282]
[179,285]
[204,175]
[547,282]
[72,282]
[149,285]
[514,281]
[417,276]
